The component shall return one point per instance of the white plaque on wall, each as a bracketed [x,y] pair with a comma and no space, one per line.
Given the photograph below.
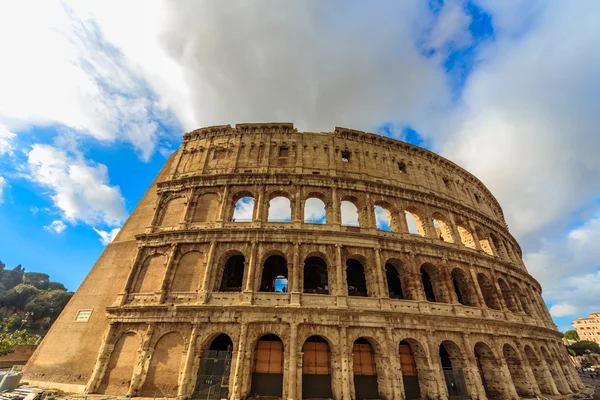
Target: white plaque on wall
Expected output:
[83,315]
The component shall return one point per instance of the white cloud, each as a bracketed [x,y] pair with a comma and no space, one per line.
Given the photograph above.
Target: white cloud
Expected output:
[3,185]
[279,209]
[243,209]
[80,190]
[6,141]
[56,226]
[314,210]
[382,218]
[107,236]
[349,214]
[562,310]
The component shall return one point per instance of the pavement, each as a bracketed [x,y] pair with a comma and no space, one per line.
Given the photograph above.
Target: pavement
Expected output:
[595,383]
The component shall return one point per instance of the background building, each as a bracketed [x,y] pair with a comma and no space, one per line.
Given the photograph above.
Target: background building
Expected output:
[588,328]
[339,265]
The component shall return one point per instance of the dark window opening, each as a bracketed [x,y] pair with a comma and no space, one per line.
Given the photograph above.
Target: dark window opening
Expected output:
[233,275]
[457,290]
[316,173]
[446,182]
[427,285]
[345,156]
[275,275]
[476,197]
[402,167]
[315,276]
[445,358]
[355,276]
[393,282]
[222,343]
[284,151]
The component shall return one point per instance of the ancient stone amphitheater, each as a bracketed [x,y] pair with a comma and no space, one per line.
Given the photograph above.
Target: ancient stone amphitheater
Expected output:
[269,262]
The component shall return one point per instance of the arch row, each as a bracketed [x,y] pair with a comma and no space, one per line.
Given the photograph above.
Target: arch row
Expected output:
[341,208]
[311,360]
[319,274]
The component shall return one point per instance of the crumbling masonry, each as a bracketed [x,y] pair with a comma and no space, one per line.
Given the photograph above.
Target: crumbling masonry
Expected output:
[196,298]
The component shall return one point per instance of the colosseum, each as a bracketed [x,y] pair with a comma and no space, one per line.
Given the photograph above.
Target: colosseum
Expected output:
[264,262]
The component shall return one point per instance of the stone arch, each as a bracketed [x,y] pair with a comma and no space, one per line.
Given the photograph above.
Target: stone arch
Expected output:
[499,246]
[391,213]
[349,212]
[484,241]
[414,368]
[188,268]
[463,287]
[397,279]
[488,367]
[442,228]
[433,283]
[365,369]
[315,276]
[466,237]
[268,366]
[315,210]
[172,211]
[316,368]
[214,366]
[151,274]
[166,362]
[488,289]
[508,296]
[274,274]
[517,371]
[554,371]
[243,206]
[119,370]
[280,207]
[206,207]
[525,304]
[564,366]
[453,365]
[358,282]
[230,271]
[414,221]
[538,371]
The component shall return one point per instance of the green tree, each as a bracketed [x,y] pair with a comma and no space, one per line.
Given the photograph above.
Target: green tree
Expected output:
[17,297]
[583,345]
[12,277]
[56,286]
[571,351]
[48,304]
[37,279]
[572,335]
[8,339]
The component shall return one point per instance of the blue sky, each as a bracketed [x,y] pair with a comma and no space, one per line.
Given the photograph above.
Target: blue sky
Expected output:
[97,94]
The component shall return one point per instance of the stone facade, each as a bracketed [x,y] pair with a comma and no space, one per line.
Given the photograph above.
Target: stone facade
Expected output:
[448,310]
[588,328]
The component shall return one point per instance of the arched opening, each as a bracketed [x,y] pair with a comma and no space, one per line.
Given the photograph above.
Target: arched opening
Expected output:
[316,369]
[187,273]
[244,210]
[355,276]
[267,374]
[349,214]
[315,276]
[207,208]
[383,219]
[215,366]
[463,288]
[452,367]
[410,374]
[488,366]
[465,236]
[364,369]
[427,285]
[554,371]
[508,296]
[484,242]
[517,372]
[490,295]
[501,252]
[523,299]
[164,365]
[442,229]
[151,275]
[119,371]
[314,211]
[394,283]
[538,371]
[280,210]
[173,212]
[415,225]
[432,281]
[233,274]
[274,275]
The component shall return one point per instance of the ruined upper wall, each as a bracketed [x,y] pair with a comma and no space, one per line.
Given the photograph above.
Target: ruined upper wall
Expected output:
[280,148]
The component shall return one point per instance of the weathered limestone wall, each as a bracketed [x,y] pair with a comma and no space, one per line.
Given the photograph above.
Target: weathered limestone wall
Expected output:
[167,287]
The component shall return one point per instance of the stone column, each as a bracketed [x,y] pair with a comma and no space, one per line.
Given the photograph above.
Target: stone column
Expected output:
[166,281]
[249,276]
[293,363]
[395,370]
[527,368]
[108,345]
[224,202]
[504,371]
[186,386]
[259,206]
[379,273]
[453,297]
[436,368]
[480,298]
[295,272]
[476,388]
[341,289]
[205,284]
[369,208]
[549,377]
[133,272]
[298,215]
[335,209]
[346,375]
[143,362]
[238,368]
